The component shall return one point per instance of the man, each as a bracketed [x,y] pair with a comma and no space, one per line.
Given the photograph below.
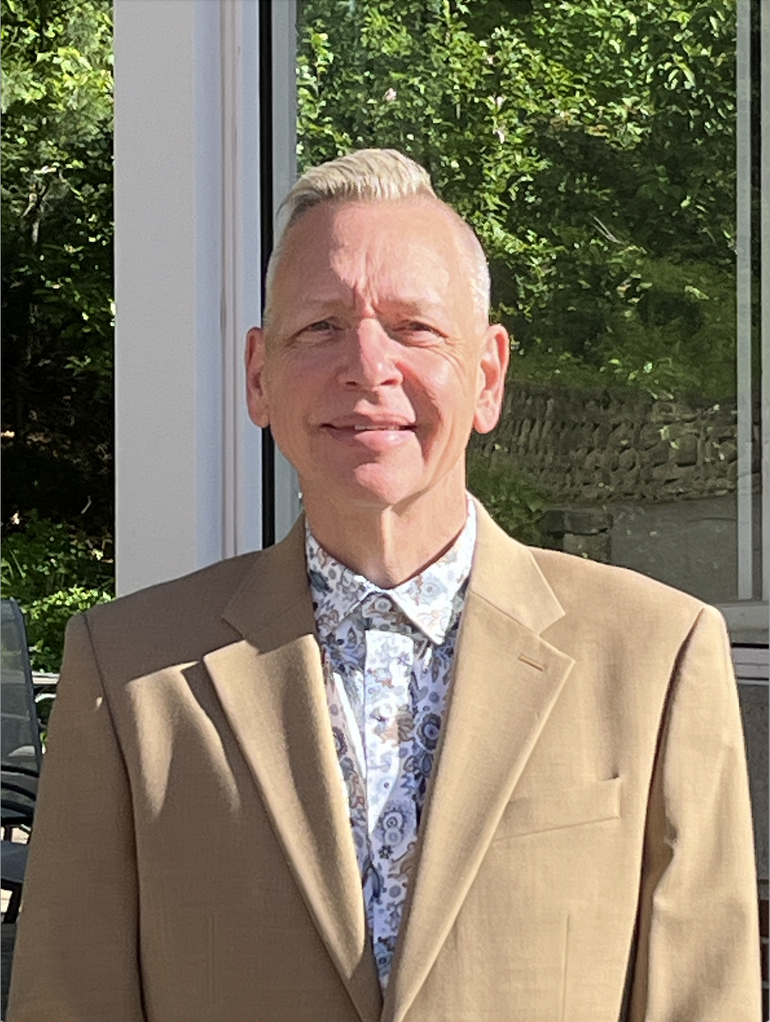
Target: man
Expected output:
[397,767]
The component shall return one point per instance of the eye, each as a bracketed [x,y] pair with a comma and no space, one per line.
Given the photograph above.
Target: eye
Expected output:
[320,331]
[418,330]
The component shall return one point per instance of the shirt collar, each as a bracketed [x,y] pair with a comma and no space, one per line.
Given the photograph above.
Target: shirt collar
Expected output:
[427,600]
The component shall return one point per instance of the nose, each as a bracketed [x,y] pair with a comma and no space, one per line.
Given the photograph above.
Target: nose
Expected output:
[370,358]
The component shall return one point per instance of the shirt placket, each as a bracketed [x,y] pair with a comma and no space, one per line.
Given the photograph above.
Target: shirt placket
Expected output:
[386,687]
[388,667]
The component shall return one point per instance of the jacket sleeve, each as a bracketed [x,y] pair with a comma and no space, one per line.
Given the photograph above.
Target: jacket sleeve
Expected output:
[76,956]
[697,954]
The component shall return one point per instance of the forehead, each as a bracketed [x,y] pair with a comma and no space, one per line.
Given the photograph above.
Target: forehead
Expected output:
[404,244]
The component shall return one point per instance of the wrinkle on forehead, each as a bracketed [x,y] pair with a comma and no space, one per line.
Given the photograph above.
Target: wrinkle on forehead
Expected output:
[359,260]
[376,273]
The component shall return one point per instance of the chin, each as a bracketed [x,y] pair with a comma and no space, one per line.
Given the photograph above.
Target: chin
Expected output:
[371,485]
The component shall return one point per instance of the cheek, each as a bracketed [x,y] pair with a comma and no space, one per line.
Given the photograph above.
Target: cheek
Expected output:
[288,386]
[440,389]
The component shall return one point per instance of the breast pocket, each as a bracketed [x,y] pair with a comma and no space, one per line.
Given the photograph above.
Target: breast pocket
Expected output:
[573,806]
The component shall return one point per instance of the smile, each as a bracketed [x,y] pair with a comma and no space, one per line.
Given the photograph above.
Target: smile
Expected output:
[372,436]
[361,429]
[363,424]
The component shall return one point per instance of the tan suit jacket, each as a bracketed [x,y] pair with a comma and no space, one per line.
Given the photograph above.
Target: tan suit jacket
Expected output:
[585,850]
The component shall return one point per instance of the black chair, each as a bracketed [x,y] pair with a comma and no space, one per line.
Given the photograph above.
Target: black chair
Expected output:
[13,855]
[20,750]
[20,732]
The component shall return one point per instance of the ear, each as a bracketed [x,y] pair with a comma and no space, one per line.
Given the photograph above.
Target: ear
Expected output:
[493,365]
[255,367]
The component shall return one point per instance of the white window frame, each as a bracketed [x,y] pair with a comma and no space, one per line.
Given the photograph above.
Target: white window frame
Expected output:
[187,228]
[284,161]
[747,617]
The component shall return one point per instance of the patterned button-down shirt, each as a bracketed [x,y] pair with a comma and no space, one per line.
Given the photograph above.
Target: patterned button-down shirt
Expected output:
[387,656]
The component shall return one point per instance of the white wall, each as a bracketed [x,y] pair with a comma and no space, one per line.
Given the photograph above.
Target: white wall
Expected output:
[187,284]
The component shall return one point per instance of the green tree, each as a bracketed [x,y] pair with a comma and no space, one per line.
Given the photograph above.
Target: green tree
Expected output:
[57,262]
[590,143]
[57,419]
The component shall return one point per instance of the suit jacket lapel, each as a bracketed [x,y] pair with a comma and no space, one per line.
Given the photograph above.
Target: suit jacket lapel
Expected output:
[506,680]
[271,687]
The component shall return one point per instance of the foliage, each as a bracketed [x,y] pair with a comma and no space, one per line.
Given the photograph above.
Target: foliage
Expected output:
[54,571]
[514,500]
[57,312]
[57,260]
[589,142]
[591,145]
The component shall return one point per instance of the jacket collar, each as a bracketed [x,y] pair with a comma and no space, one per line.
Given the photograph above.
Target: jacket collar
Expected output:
[506,679]
[271,687]
[504,573]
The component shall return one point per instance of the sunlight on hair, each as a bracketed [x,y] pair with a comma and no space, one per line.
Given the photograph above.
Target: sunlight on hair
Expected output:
[374,175]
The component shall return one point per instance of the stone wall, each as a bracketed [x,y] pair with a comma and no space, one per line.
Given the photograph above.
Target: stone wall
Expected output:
[589,447]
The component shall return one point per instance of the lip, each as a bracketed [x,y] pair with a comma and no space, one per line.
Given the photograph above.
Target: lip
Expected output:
[372,435]
[362,424]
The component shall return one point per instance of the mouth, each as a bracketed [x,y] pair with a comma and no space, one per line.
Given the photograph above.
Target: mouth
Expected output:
[380,435]
[358,425]
[389,427]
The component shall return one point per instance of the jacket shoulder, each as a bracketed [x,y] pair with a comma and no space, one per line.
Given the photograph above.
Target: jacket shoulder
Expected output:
[171,622]
[614,593]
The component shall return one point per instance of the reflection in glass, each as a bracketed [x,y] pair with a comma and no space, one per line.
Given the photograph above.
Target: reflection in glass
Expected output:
[593,149]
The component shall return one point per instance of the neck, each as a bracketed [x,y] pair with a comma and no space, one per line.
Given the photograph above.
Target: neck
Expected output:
[387,545]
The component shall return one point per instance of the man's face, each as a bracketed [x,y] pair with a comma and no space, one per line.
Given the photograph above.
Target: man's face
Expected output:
[375,363]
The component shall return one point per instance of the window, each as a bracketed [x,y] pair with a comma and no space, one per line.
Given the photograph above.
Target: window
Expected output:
[607,156]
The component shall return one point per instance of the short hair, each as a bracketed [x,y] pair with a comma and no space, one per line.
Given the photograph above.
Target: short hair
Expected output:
[373,175]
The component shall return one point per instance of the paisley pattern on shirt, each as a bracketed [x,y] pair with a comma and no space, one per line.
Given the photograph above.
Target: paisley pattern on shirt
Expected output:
[387,657]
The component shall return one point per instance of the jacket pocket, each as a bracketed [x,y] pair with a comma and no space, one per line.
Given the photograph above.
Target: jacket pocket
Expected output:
[557,809]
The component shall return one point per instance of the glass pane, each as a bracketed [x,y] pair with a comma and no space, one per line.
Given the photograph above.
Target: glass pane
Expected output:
[754,706]
[592,146]
[20,742]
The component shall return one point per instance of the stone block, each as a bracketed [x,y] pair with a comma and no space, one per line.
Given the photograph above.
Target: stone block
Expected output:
[579,521]
[628,460]
[582,531]
[726,451]
[596,548]
[725,417]
[649,436]
[667,473]
[686,452]
[664,412]
[593,460]
[622,434]
[659,454]
[590,492]
[601,435]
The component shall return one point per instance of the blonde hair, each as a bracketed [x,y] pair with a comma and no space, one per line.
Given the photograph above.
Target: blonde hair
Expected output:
[373,175]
